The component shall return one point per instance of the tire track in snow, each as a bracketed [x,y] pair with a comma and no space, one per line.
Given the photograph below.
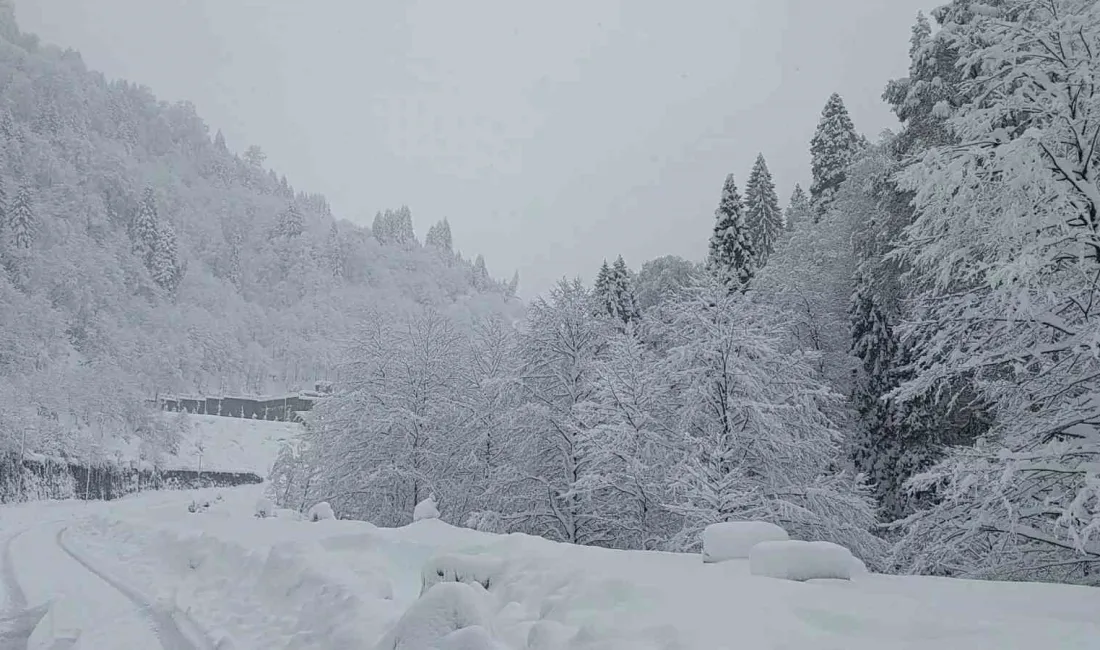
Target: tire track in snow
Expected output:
[17,600]
[18,622]
[163,621]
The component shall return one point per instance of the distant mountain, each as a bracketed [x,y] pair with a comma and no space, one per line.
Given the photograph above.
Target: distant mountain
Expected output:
[139,254]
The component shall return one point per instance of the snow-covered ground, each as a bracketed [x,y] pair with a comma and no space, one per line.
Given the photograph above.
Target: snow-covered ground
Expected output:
[221,443]
[143,573]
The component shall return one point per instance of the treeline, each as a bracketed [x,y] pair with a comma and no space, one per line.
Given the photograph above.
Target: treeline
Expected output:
[907,366]
[139,254]
[35,479]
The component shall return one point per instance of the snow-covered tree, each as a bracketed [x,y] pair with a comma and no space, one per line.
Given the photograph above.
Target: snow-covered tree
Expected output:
[759,443]
[561,342]
[439,237]
[798,210]
[763,217]
[21,222]
[166,269]
[660,279]
[144,228]
[291,223]
[834,145]
[613,292]
[480,274]
[635,439]
[732,256]
[1004,249]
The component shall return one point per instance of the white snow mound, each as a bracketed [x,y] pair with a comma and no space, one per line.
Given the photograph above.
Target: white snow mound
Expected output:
[321,512]
[264,508]
[733,540]
[796,560]
[446,608]
[426,509]
[474,637]
[481,569]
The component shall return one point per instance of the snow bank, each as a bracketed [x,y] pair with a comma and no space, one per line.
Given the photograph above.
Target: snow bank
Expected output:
[59,627]
[426,509]
[446,608]
[474,637]
[480,569]
[264,508]
[796,560]
[735,539]
[320,512]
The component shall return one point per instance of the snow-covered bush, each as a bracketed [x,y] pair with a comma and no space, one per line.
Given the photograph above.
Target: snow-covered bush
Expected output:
[796,560]
[426,509]
[320,512]
[734,539]
[264,508]
[459,568]
[445,608]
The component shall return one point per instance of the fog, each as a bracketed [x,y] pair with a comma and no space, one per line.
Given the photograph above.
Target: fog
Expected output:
[551,135]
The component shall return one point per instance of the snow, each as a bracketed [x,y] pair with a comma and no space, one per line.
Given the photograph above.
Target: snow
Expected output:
[320,512]
[284,583]
[798,560]
[734,539]
[264,508]
[218,443]
[426,509]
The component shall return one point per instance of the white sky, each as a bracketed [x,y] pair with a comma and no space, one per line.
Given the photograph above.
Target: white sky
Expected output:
[551,134]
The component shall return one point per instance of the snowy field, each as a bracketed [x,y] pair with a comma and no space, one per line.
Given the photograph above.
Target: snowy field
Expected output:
[222,443]
[145,573]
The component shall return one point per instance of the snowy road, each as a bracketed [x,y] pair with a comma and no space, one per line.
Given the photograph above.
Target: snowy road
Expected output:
[144,573]
[54,594]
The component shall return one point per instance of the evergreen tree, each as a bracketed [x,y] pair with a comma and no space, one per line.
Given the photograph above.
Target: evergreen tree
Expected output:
[622,303]
[798,210]
[144,228]
[513,285]
[763,216]
[439,236]
[732,257]
[219,141]
[834,145]
[334,251]
[165,268]
[21,218]
[601,289]
[291,223]
[481,279]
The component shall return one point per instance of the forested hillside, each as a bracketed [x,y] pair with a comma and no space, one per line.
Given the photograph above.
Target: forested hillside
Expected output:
[903,361]
[141,254]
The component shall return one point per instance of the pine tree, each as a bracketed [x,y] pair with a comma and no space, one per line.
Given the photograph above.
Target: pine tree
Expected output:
[732,257]
[834,145]
[763,216]
[601,289]
[439,237]
[21,218]
[798,210]
[513,285]
[219,141]
[621,293]
[144,228]
[165,269]
[291,223]
[481,279]
[334,251]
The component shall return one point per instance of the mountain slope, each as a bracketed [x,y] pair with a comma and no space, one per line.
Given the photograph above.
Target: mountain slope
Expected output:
[139,255]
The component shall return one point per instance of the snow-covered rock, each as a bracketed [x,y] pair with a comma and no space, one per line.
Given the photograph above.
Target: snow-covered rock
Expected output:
[796,560]
[445,608]
[264,508]
[426,509]
[481,569]
[320,512]
[734,540]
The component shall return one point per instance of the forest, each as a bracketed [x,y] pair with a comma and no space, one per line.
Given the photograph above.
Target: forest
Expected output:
[902,359]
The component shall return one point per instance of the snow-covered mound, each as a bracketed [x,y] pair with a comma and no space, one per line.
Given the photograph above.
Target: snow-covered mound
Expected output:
[796,560]
[278,582]
[426,509]
[734,540]
[321,512]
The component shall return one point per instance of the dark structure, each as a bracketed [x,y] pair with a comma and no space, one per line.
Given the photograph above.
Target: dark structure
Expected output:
[283,409]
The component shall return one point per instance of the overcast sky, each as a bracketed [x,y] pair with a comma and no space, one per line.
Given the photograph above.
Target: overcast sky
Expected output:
[551,134]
